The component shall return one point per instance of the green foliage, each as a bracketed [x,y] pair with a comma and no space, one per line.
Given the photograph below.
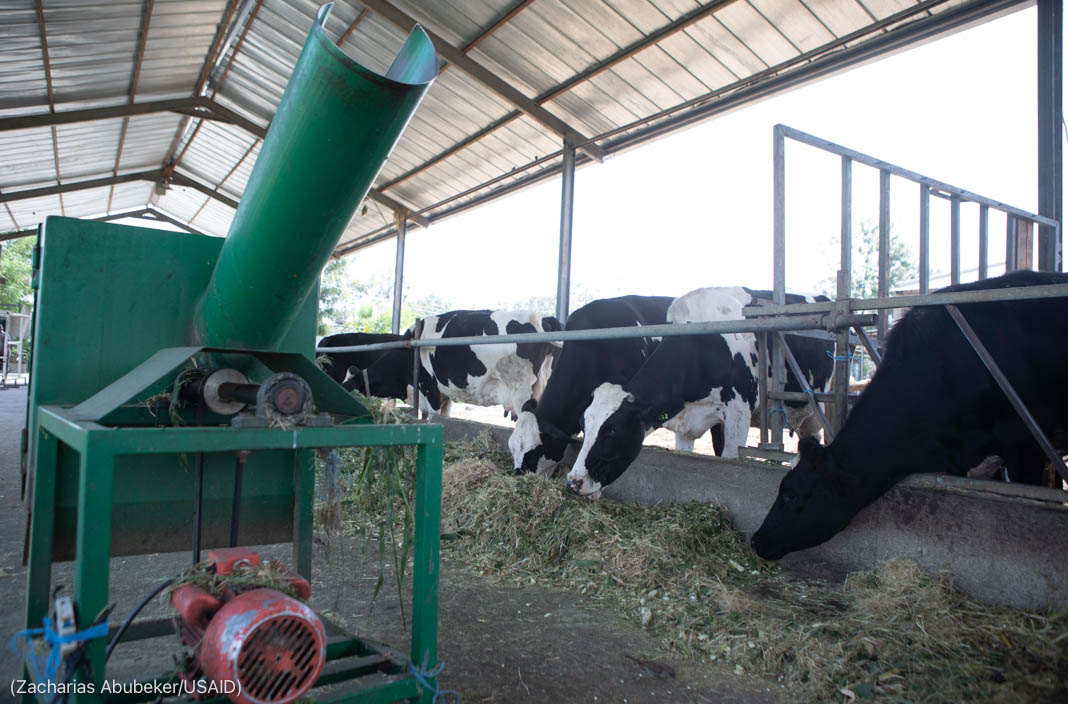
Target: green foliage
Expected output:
[866,263]
[350,305]
[15,268]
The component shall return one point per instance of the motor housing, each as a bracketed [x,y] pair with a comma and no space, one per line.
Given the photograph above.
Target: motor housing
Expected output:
[258,646]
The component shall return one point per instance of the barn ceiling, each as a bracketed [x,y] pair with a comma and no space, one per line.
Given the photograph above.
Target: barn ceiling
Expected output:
[159,107]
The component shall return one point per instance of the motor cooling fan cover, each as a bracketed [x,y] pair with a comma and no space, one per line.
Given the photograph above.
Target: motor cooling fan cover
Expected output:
[271,645]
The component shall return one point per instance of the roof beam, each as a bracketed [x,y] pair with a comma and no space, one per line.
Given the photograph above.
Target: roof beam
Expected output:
[205,70]
[201,107]
[150,214]
[51,92]
[182,180]
[488,78]
[623,54]
[352,27]
[61,188]
[135,77]
[153,175]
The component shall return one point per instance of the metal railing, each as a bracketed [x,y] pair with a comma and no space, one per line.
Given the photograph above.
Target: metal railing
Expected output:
[834,316]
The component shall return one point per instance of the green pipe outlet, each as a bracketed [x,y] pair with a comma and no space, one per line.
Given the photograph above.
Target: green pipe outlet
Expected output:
[334,128]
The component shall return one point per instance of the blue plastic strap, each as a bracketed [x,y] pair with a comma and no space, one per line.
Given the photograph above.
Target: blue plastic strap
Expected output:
[51,663]
[839,358]
[421,676]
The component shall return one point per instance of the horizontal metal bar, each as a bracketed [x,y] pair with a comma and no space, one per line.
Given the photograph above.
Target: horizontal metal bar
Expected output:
[819,143]
[719,327]
[1018,293]
[144,441]
[802,397]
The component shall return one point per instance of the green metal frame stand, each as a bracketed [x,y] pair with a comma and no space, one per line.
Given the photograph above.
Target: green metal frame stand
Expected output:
[123,312]
[97,447]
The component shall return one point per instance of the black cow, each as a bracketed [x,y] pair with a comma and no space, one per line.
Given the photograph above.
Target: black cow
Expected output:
[690,384]
[338,363]
[932,406]
[544,428]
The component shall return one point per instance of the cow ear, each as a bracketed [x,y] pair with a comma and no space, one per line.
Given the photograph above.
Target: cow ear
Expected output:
[530,405]
[809,447]
[551,324]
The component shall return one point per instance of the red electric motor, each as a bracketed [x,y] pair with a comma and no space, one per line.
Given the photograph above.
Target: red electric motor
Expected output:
[257,646]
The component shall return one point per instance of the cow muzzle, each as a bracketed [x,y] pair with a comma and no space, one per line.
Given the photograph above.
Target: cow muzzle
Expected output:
[580,488]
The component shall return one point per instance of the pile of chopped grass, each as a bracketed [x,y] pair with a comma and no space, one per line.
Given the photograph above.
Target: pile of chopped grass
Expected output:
[682,571]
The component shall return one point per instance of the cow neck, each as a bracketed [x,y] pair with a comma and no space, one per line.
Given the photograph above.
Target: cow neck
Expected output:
[568,392]
[883,443]
[659,386]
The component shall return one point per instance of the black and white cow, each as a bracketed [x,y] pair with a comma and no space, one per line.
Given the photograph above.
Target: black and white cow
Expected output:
[933,407]
[689,384]
[338,363]
[545,427]
[484,375]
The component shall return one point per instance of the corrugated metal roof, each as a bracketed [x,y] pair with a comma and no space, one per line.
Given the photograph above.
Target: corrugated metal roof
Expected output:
[610,72]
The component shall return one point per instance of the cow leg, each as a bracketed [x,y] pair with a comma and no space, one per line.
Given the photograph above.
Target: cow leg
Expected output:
[716,431]
[736,427]
[683,442]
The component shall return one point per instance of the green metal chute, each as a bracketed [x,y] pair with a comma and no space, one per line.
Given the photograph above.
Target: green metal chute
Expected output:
[334,128]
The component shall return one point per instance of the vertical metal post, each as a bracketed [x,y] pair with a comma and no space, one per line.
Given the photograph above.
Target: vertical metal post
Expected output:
[762,385]
[1025,244]
[778,359]
[925,238]
[954,240]
[567,211]
[1010,243]
[42,524]
[417,333]
[398,272]
[96,481]
[1050,72]
[845,291]
[424,653]
[303,510]
[884,249]
[984,244]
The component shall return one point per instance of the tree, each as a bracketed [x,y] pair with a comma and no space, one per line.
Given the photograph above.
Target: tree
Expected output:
[15,268]
[865,269]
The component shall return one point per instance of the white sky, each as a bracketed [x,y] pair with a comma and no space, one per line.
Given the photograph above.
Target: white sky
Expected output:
[694,209]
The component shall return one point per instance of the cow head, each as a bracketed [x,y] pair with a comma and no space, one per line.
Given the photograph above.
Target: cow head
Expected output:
[613,434]
[535,445]
[816,500]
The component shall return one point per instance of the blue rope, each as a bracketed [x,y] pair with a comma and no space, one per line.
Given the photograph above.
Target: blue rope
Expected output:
[421,677]
[785,416]
[839,358]
[51,663]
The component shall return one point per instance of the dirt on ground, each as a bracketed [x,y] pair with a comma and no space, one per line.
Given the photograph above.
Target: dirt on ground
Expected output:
[499,644]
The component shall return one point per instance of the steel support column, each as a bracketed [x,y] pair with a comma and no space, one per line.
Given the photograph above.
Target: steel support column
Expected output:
[398,272]
[845,291]
[884,249]
[778,360]
[567,211]
[1050,157]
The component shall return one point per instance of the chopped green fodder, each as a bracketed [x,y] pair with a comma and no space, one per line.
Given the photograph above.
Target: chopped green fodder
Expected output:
[266,575]
[895,634]
[371,494]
